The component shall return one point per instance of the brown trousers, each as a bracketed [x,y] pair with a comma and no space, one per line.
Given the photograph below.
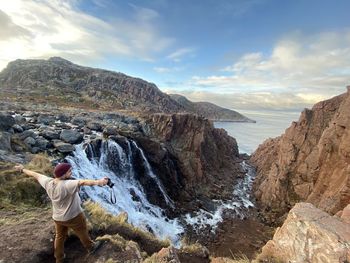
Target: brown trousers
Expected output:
[78,225]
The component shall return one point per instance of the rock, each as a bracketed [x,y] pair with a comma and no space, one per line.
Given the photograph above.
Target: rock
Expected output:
[50,134]
[17,128]
[6,122]
[29,141]
[309,162]
[42,143]
[63,147]
[5,141]
[26,134]
[309,235]
[110,130]
[167,255]
[95,126]
[204,155]
[71,136]
[20,119]
[79,121]
[46,119]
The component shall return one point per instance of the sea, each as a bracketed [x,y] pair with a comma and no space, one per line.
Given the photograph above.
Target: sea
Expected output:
[269,124]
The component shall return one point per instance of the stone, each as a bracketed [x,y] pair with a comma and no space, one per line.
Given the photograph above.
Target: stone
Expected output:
[71,136]
[95,126]
[63,147]
[30,141]
[309,235]
[5,141]
[50,134]
[110,130]
[6,122]
[17,128]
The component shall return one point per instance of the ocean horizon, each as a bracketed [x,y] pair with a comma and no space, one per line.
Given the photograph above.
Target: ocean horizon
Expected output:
[269,124]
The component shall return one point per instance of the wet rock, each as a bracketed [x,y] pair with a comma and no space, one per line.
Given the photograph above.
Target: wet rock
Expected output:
[17,128]
[50,134]
[309,235]
[63,147]
[46,119]
[71,136]
[5,141]
[6,122]
[26,134]
[110,130]
[95,126]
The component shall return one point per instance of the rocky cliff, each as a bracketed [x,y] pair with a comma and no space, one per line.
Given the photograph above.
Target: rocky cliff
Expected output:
[207,158]
[59,82]
[210,110]
[309,235]
[309,162]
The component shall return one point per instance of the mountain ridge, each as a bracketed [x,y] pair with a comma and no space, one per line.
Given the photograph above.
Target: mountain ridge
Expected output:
[61,82]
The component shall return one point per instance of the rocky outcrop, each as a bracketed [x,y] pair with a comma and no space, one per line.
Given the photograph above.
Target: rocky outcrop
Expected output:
[57,82]
[309,235]
[210,110]
[207,158]
[309,162]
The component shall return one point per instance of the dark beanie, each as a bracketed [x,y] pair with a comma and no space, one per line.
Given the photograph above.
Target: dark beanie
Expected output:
[61,169]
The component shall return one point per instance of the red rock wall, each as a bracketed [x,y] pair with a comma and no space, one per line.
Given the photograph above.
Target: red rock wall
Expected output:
[309,162]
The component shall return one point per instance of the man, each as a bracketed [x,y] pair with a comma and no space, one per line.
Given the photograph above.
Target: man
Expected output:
[67,212]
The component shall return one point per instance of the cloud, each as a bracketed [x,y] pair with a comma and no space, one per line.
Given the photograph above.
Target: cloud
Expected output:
[178,55]
[168,69]
[45,28]
[306,68]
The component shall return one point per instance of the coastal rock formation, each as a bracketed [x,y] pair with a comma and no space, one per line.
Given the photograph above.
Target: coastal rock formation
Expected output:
[309,235]
[210,110]
[57,82]
[207,157]
[309,162]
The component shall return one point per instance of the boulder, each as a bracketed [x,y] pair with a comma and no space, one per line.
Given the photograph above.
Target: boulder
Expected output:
[17,128]
[5,141]
[309,235]
[95,126]
[46,119]
[63,147]
[110,130]
[6,122]
[50,134]
[71,136]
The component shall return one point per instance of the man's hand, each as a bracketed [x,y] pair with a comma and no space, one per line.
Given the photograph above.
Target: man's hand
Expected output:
[19,168]
[103,181]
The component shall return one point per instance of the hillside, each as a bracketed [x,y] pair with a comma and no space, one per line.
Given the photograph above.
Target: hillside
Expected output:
[210,110]
[59,82]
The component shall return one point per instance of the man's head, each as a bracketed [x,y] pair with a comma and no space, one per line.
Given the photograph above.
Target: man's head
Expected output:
[63,170]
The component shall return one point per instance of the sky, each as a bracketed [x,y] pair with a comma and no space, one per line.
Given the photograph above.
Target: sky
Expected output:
[239,54]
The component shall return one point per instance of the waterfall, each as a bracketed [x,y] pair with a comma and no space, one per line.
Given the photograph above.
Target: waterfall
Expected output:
[116,163]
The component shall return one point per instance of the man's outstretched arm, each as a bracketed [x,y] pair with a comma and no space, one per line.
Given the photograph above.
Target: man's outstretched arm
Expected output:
[21,169]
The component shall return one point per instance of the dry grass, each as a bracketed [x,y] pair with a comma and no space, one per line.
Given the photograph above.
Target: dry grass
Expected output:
[18,190]
[101,221]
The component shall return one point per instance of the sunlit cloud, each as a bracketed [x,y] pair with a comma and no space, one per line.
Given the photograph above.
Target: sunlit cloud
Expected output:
[301,70]
[40,29]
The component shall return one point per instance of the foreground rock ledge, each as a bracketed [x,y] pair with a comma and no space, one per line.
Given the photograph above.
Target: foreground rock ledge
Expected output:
[309,235]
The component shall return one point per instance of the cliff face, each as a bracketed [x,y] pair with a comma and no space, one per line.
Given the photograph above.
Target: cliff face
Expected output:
[310,162]
[210,110]
[206,157]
